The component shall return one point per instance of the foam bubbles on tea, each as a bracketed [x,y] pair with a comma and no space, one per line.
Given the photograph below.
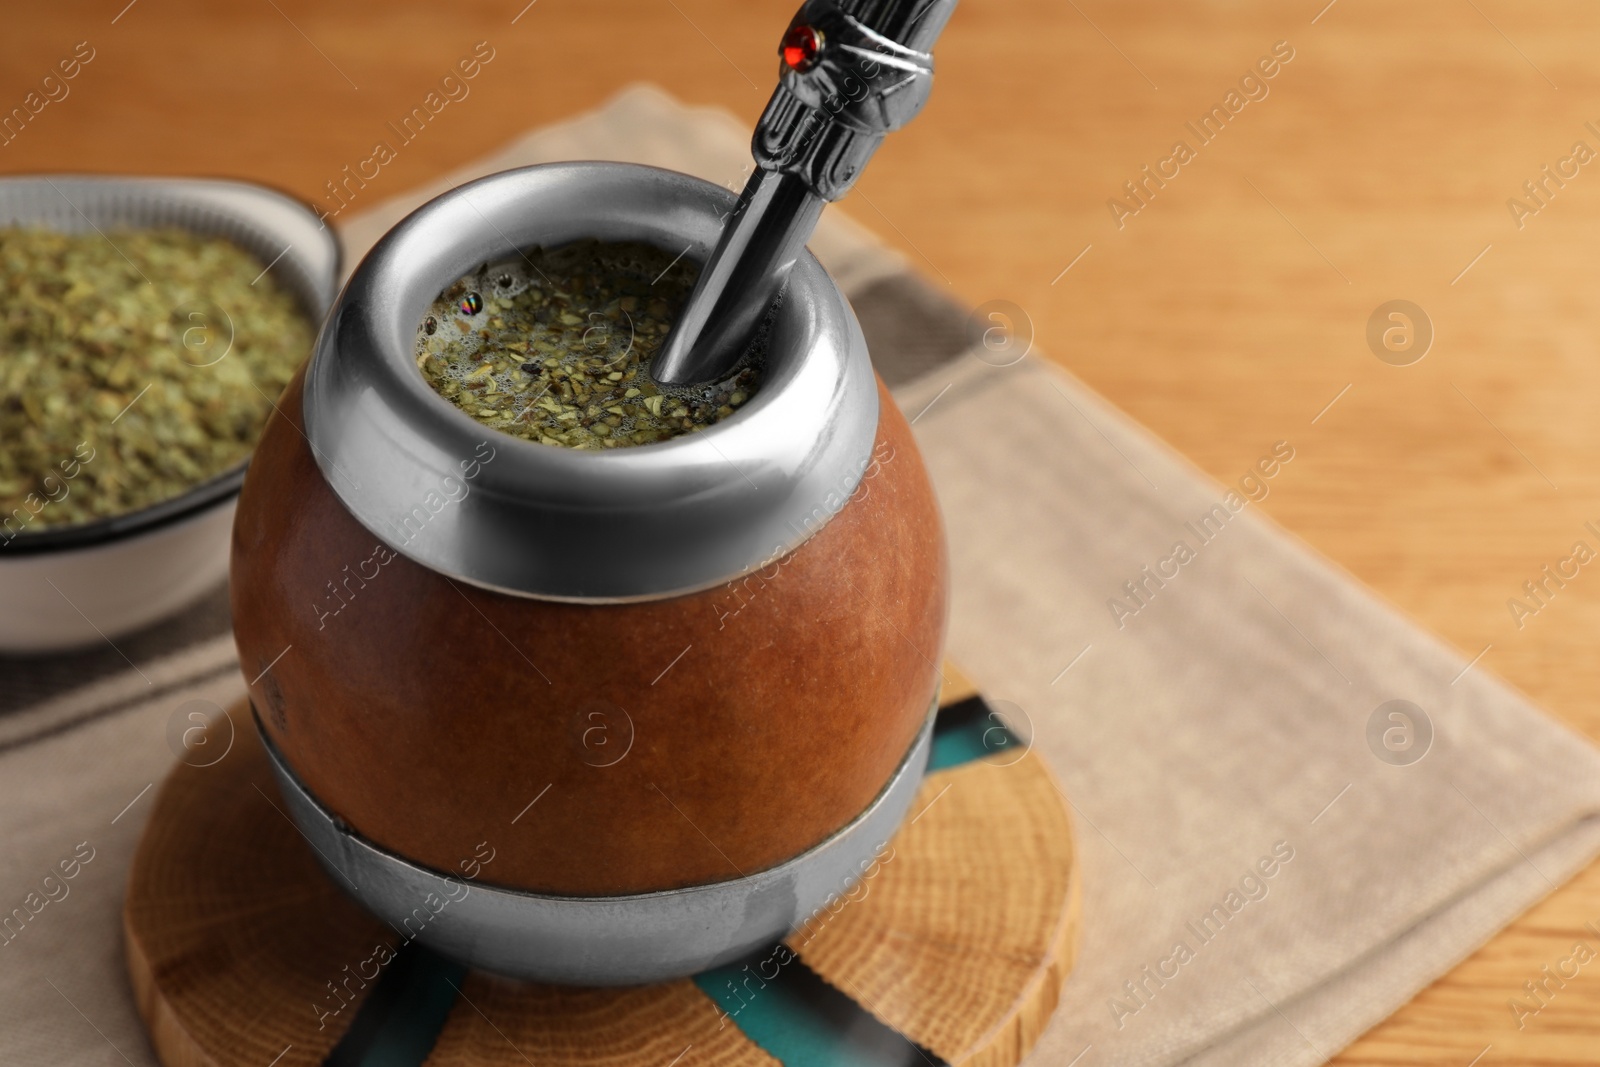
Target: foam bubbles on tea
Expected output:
[556,345]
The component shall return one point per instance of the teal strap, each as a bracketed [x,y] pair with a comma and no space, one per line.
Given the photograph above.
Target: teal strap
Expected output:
[801,1020]
[399,1022]
[968,730]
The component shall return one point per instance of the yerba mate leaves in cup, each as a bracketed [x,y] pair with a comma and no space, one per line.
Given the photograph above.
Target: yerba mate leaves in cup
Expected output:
[136,364]
[555,347]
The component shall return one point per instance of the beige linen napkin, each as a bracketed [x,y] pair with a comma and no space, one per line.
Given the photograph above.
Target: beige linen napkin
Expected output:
[1225,725]
[1269,869]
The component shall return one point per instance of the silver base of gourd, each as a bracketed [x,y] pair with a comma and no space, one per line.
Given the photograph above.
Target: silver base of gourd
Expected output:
[602,941]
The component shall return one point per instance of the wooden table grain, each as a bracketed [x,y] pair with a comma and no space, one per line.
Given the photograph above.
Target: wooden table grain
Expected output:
[1226,307]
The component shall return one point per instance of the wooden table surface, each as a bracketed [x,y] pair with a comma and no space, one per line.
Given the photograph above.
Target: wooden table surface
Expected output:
[1228,313]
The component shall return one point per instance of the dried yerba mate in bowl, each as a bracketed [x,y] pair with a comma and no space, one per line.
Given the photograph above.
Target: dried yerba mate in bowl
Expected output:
[136,365]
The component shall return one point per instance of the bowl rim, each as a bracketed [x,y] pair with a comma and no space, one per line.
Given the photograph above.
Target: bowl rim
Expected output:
[221,486]
[99,532]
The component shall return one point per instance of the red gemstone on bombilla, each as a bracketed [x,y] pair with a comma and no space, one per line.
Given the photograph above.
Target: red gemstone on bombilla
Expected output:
[801,46]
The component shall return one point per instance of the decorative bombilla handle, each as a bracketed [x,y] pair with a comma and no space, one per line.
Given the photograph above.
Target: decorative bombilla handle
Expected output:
[853,71]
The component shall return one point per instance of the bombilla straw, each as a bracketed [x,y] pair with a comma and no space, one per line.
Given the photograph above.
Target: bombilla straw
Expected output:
[853,71]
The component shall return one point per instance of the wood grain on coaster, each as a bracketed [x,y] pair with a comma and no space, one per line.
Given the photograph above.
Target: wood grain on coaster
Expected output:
[242,951]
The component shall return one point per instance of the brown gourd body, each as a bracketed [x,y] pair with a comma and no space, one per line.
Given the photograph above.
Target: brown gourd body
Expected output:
[664,743]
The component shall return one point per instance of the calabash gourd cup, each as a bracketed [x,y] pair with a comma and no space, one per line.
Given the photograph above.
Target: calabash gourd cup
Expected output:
[589,717]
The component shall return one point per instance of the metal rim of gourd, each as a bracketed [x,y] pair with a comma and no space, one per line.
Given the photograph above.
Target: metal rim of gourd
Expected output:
[529,519]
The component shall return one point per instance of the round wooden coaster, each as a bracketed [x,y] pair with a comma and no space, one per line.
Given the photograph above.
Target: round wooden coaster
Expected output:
[243,952]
